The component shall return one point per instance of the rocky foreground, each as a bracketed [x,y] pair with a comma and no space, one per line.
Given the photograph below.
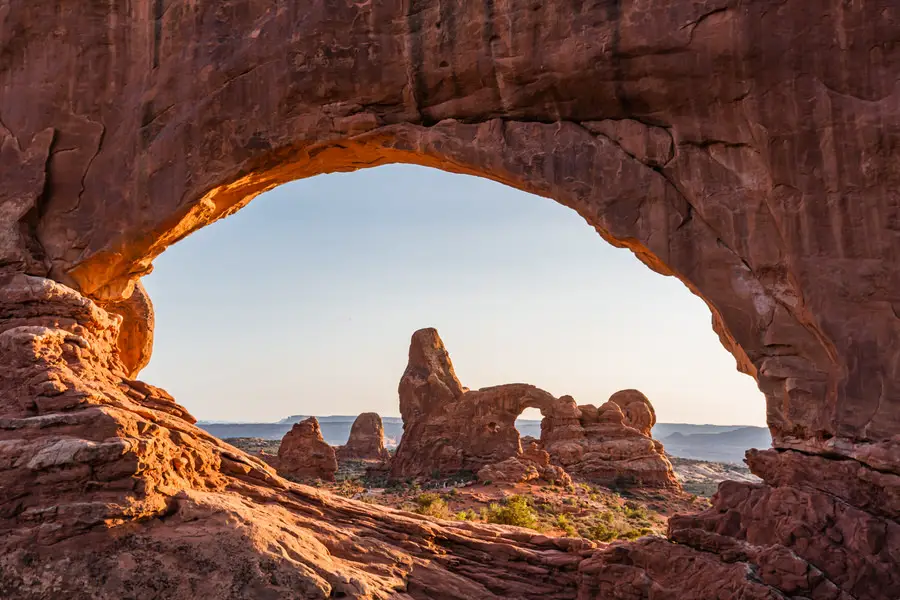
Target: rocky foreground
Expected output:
[112,492]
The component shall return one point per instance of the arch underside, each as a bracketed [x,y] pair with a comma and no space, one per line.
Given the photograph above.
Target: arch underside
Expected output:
[748,149]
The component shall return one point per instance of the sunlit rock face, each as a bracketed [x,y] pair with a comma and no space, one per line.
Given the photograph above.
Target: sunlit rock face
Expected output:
[748,149]
[448,428]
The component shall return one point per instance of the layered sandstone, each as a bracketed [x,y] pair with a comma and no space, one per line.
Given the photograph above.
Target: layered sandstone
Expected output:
[448,428]
[366,441]
[304,453]
[749,149]
[613,448]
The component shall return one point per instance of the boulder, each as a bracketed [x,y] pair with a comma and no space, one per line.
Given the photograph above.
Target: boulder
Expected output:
[614,448]
[304,454]
[366,441]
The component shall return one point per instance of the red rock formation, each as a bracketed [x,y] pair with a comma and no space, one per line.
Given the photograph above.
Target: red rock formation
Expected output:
[612,447]
[366,440]
[637,410]
[304,454]
[749,149]
[531,464]
[136,331]
[448,428]
[510,470]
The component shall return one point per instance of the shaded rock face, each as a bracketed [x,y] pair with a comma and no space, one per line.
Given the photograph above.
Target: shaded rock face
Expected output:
[366,441]
[749,149]
[448,428]
[304,454]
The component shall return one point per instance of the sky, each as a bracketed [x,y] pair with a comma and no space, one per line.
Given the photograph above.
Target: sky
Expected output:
[304,303]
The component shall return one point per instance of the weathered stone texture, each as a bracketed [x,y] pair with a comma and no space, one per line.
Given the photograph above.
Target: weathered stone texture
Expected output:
[747,148]
[448,428]
[304,453]
[366,441]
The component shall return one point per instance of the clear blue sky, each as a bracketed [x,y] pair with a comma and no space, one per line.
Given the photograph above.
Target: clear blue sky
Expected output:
[304,303]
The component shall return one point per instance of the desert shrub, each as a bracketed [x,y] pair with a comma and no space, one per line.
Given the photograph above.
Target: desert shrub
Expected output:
[515,510]
[602,532]
[431,504]
[349,488]
[632,534]
[606,517]
[466,515]
[562,522]
[635,511]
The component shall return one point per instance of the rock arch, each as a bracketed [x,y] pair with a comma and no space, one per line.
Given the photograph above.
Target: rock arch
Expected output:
[747,148]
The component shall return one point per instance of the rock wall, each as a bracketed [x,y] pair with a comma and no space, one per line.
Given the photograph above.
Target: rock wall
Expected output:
[747,148]
[304,454]
[448,428]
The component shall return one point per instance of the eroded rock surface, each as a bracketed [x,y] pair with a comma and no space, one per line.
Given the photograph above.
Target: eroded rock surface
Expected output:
[611,447]
[448,428]
[749,149]
[366,441]
[304,453]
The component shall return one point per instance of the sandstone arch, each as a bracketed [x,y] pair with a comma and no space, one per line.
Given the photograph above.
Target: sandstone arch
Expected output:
[747,148]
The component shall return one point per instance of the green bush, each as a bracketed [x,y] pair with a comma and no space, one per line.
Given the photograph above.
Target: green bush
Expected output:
[562,522]
[515,510]
[349,488]
[431,504]
[602,533]
[635,511]
[466,515]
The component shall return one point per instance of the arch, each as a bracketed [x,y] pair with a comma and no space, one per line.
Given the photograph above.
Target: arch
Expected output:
[736,146]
